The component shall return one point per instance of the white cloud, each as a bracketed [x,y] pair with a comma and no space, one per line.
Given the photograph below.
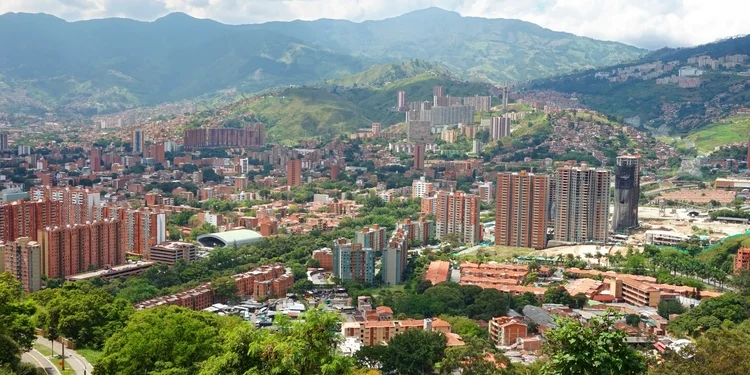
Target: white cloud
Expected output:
[645,23]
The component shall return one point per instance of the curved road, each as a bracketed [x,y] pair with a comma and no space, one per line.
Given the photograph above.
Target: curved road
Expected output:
[39,360]
[76,361]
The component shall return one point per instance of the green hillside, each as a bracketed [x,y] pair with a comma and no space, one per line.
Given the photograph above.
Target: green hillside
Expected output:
[380,75]
[730,130]
[107,65]
[681,109]
[307,112]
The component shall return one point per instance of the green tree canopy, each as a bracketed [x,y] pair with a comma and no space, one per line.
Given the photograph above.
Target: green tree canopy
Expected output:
[16,329]
[593,349]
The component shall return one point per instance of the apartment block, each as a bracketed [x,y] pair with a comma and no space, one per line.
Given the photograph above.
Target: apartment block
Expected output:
[394,258]
[505,331]
[429,205]
[458,213]
[373,333]
[453,115]
[419,156]
[23,259]
[253,135]
[486,191]
[420,188]
[420,231]
[419,131]
[294,172]
[172,252]
[138,141]
[499,127]
[582,199]
[325,258]
[77,203]
[353,262]
[77,248]
[521,215]
[270,281]
[742,260]
[144,228]
[24,218]
[372,237]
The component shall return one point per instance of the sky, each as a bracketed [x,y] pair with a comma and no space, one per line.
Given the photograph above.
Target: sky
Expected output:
[644,23]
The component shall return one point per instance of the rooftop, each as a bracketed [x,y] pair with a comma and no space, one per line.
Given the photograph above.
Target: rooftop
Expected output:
[230,238]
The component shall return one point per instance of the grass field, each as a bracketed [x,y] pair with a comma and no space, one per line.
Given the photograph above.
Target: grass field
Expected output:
[91,355]
[48,352]
[727,131]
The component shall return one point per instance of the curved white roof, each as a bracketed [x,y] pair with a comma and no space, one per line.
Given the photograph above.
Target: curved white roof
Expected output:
[230,238]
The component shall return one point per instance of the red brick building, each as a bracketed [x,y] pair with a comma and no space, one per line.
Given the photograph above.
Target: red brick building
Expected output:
[742,260]
[24,219]
[505,331]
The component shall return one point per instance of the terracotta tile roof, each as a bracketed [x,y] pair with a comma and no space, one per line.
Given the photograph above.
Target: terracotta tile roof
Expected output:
[437,272]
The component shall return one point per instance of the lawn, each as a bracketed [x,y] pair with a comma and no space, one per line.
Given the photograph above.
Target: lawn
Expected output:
[91,355]
[730,130]
[498,253]
[56,361]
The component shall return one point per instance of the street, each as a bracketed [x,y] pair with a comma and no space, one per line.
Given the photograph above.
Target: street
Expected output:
[39,360]
[79,364]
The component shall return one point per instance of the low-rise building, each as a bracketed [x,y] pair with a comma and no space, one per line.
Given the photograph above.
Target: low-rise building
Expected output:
[506,331]
[171,252]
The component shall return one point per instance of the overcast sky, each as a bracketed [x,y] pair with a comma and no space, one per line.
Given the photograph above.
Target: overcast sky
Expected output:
[644,23]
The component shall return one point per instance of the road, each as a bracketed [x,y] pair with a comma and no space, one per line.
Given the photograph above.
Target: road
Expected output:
[39,360]
[79,364]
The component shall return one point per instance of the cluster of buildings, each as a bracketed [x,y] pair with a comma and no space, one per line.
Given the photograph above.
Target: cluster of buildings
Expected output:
[687,76]
[356,260]
[572,206]
[269,281]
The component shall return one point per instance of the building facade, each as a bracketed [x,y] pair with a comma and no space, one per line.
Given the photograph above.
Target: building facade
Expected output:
[294,172]
[420,188]
[582,198]
[521,215]
[23,259]
[23,219]
[627,193]
[352,262]
[395,255]
[372,237]
[420,231]
[170,253]
[458,213]
[253,135]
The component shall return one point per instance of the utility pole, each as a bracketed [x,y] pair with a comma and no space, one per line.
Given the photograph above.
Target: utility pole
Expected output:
[63,355]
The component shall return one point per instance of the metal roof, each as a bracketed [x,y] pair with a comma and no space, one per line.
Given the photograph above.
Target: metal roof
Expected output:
[230,238]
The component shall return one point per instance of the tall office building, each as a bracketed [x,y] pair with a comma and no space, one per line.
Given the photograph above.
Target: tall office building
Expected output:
[139,141]
[95,159]
[499,127]
[72,249]
[371,237]
[627,193]
[418,157]
[582,197]
[3,141]
[393,261]
[458,213]
[352,262]
[23,259]
[521,215]
[401,101]
[24,218]
[294,172]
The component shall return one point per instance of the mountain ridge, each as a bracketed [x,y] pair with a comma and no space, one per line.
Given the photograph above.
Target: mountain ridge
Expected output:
[75,67]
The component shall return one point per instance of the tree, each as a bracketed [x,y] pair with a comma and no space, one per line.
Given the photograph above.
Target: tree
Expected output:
[710,313]
[558,295]
[632,320]
[225,288]
[161,339]
[414,352]
[669,307]
[16,329]
[305,347]
[594,349]
[724,350]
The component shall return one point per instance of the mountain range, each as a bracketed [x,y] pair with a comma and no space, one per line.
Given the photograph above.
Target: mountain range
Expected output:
[106,65]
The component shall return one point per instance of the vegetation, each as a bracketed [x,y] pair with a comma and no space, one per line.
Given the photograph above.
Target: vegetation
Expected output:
[16,328]
[413,352]
[724,132]
[595,349]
